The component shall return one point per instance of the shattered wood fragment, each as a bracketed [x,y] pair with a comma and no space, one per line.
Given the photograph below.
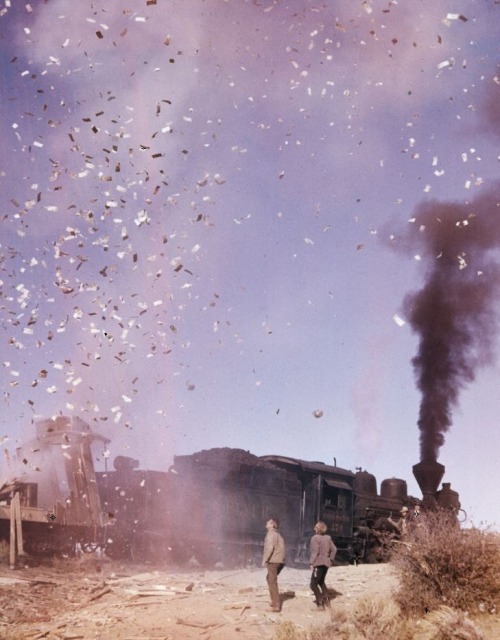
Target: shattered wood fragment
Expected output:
[198,625]
[147,603]
[156,592]
[45,633]
[242,608]
[100,595]
[101,585]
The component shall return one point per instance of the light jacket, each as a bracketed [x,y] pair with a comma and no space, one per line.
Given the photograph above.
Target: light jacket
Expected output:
[322,551]
[274,547]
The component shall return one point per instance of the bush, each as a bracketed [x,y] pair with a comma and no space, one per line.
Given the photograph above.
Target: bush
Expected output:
[380,619]
[377,619]
[447,624]
[371,618]
[289,631]
[441,564]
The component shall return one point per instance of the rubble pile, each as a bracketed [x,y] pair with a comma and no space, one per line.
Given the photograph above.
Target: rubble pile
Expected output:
[40,595]
[82,599]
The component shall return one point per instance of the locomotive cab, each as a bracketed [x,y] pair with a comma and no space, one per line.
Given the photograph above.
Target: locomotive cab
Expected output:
[326,495]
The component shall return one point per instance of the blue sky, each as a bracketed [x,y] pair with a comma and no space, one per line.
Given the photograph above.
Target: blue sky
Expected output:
[198,201]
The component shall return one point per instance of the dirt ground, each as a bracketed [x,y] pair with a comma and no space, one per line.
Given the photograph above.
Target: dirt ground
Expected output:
[92,599]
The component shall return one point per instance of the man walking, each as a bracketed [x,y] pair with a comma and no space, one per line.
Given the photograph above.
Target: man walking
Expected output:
[274,559]
[322,555]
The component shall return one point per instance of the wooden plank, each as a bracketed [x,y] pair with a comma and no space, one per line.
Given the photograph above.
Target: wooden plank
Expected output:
[33,514]
[101,594]
[19,526]
[12,537]
[199,625]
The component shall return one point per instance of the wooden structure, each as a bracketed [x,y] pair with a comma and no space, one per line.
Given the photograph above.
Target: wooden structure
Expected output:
[62,507]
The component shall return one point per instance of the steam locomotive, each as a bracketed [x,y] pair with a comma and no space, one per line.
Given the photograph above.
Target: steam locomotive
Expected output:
[209,507]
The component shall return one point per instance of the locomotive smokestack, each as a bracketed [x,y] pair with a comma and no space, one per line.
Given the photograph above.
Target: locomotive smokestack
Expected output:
[428,474]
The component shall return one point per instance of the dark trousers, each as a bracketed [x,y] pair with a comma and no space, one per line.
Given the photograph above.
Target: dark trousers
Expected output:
[273,571]
[318,584]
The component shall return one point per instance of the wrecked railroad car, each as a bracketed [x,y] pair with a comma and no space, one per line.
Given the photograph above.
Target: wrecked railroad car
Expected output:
[53,477]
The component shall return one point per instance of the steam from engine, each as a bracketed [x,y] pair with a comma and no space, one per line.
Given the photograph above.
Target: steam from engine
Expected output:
[453,313]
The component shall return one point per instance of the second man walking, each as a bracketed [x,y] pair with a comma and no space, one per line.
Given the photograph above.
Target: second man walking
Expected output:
[322,555]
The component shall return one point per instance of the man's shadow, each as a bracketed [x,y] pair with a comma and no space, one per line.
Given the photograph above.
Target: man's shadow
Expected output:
[333,593]
[286,595]
[289,595]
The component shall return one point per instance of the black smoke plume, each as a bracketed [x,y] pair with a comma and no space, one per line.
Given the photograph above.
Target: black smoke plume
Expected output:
[454,313]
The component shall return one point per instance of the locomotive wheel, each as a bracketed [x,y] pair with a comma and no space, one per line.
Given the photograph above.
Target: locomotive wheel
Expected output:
[89,547]
[37,548]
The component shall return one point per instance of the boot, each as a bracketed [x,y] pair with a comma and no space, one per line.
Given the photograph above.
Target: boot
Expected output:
[326,601]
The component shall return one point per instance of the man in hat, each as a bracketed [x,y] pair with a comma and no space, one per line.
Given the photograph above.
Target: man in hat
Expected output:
[401,524]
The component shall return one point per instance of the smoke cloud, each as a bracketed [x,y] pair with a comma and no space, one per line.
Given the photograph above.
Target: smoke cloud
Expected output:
[454,312]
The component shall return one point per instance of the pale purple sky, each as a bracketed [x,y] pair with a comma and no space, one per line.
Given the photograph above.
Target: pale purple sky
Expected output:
[198,202]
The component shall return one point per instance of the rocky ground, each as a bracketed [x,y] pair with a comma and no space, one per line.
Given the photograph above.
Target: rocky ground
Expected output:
[90,599]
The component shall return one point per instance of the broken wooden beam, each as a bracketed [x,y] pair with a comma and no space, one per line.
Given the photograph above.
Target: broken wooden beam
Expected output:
[199,625]
[100,594]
